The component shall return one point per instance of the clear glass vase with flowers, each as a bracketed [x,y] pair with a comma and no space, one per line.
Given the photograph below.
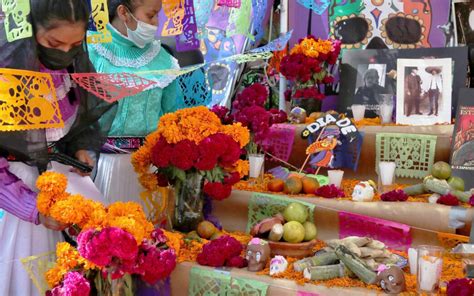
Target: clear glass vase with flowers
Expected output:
[309,67]
[197,155]
[248,109]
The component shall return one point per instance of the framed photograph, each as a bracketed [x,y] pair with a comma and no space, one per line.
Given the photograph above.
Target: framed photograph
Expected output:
[424,91]
[356,62]
[463,18]
[462,152]
[370,85]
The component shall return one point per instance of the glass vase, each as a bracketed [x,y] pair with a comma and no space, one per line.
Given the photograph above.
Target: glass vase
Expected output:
[189,202]
[309,105]
[109,287]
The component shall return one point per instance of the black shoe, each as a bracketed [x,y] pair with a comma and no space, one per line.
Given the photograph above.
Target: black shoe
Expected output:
[419,113]
[431,113]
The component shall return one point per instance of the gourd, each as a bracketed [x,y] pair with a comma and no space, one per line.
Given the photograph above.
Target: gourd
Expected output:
[356,265]
[326,258]
[319,273]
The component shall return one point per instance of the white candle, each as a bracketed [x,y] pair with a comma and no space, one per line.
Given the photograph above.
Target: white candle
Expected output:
[335,177]
[386,112]
[256,165]
[429,273]
[358,111]
[387,172]
[413,260]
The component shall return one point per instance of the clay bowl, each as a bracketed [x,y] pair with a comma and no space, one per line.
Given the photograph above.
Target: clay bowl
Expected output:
[299,250]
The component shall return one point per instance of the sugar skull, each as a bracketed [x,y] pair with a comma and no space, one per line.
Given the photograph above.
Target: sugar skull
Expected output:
[364,191]
[297,115]
[392,280]
[381,23]
[258,253]
[278,265]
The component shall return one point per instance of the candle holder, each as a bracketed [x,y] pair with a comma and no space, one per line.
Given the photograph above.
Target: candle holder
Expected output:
[430,265]
[386,177]
[358,112]
[335,177]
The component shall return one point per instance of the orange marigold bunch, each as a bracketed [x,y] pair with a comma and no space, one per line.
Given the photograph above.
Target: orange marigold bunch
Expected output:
[194,124]
[238,132]
[130,217]
[68,258]
[312,48]
[52,183]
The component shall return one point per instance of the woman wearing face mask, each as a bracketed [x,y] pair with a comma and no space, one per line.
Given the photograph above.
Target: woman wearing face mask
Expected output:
[133,25]
[57,48]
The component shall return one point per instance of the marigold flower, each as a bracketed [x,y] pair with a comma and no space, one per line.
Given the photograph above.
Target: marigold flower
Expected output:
[52,183]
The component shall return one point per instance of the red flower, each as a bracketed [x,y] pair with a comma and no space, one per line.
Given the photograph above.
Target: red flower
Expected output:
[448,199]
[329,191]
[460,287]
[232,153]
[328,79]
[232,179]
[184,155]
[161,153]
[237,262]
[217,191]
[208,150]
[223,113]
[256,94]
[277,116]
[217,252]
[394,195]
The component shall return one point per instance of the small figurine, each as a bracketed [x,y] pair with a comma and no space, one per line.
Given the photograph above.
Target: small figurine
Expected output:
[391,280]
[364,191]
[258,254]
[297,115]
[278,265]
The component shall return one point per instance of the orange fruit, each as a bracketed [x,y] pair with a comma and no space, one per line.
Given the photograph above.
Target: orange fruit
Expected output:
[276,185]
[293,185]
[206,229]
[309,185]
[295,174]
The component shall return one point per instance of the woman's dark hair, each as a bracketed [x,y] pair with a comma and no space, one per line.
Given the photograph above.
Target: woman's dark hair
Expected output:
[114,4]
[45,13]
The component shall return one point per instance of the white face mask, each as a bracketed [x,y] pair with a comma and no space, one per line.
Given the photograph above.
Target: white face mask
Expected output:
[143,35]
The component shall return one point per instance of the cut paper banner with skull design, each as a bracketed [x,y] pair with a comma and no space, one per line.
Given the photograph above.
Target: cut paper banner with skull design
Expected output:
[16,21]
[100,19]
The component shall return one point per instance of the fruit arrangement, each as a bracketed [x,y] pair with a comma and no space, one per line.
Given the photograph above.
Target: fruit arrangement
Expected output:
[205,230]
[295,184]
[291,226]
[441,182]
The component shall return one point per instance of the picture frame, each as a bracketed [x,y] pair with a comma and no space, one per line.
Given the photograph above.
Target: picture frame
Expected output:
[351,59]
[424,91]
[462,150]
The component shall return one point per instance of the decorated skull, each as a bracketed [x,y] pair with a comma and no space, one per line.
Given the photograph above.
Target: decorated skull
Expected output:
[258,253]
[297,115]
[278,265]
[363,191]
[392,280]
[381,23]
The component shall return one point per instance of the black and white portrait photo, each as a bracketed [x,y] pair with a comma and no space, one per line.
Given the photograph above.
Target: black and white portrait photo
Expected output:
[424,91]
[464,21]
[370,85]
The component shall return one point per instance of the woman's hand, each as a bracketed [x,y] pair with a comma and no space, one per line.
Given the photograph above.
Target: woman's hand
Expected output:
[52,224]
[83,156]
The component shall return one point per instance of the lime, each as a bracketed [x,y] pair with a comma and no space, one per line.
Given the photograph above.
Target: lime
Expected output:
[293,232]
[296,212]
[441,170]
[456,183]
[310,231]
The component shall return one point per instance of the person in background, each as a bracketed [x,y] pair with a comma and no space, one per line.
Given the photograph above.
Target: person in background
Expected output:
[369,92]
[56,47]
[436,86]
[413,92]
[133,25]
